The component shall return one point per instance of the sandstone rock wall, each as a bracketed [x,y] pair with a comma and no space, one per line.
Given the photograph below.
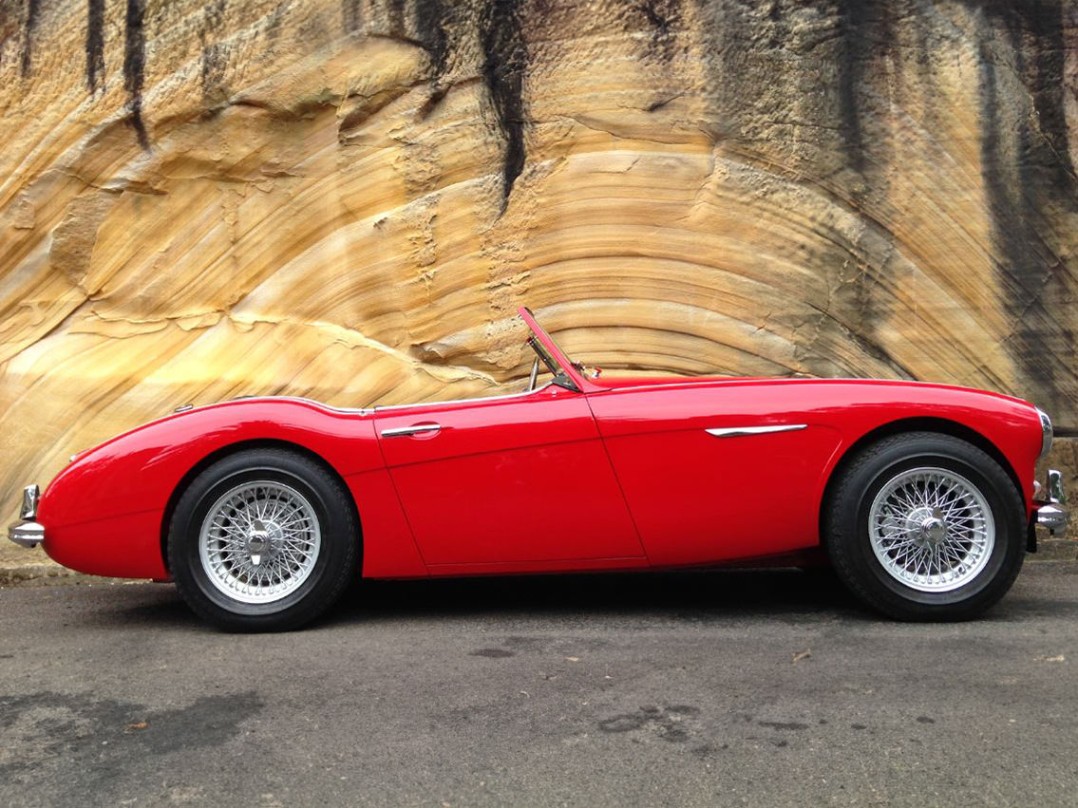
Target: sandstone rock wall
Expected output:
[347,200]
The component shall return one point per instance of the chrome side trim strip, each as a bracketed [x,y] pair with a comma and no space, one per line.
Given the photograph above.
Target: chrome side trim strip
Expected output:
[401,431]
[738,431]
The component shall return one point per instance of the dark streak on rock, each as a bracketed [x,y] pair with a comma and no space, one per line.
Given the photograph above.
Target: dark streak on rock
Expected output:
[214,55]
[273,22]
[95,43]
[431,20]
[504,61]
[663,23]
[135,119]
[762,46]
[396,17]
[865,40]
[431,17]
[214,61]
[777,26]
[351,16]
[1050,151]
[1024,171]
[657,15]
[135,67]
[664,18]
[33,15]
[852,23]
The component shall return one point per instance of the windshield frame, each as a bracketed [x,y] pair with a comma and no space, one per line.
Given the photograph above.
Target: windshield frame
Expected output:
[567,374]
[560,378]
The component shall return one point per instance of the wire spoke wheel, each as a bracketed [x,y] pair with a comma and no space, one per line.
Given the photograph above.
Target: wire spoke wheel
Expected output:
[931,529]
[265,539]
[926,526]
[259,542]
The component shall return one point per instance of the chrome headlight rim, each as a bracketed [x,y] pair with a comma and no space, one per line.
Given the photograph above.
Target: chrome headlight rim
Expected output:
[1047,433]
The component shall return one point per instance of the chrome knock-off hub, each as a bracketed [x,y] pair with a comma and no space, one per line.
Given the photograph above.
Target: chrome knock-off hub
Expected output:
[260,541]
[931,529]
[926,527]
[263,541]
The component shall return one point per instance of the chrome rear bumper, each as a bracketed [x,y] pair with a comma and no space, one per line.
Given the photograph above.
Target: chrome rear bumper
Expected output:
[1053,513]
[28,532]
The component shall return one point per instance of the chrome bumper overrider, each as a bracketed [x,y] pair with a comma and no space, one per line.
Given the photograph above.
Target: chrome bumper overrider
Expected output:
[28,533]
[1053,514]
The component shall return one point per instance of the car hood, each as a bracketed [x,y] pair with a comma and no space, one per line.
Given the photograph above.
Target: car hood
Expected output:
[898,385]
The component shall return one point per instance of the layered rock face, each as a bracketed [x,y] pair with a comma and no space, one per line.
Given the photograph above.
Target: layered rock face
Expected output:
[347,200]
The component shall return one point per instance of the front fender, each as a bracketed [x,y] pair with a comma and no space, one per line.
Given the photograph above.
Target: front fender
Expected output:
[103,513]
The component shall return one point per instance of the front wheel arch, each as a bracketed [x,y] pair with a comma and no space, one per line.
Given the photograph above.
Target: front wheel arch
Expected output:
[936,426]
[235,448]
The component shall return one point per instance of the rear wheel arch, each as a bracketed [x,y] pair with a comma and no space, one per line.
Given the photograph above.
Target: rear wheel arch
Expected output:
[235,448]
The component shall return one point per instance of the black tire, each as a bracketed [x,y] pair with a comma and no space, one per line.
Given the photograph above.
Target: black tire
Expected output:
[888,545]
[263,540]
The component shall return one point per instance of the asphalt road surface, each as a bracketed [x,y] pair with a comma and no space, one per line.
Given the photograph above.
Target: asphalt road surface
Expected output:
[704,689]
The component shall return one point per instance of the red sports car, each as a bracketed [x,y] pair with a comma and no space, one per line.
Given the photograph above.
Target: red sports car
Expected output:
[262,510]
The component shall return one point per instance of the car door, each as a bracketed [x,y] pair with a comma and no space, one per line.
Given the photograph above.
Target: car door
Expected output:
[519,481]
[716,472]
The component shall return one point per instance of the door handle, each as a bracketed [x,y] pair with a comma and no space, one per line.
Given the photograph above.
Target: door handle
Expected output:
[404,431]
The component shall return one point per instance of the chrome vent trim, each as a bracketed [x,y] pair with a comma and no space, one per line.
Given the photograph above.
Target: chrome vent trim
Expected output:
[739,431]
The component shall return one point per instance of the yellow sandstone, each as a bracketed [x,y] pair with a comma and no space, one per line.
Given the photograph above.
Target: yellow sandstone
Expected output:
[348,200]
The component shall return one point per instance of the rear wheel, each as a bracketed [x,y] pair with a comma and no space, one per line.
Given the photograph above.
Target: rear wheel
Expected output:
[264,540]
[925,526]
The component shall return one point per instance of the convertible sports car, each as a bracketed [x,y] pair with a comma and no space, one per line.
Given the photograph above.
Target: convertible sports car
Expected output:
[262,510]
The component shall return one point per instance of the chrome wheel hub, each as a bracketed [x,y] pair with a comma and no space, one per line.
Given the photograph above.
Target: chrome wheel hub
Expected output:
[931,529]
[926,527]
[259,542]
[264,541]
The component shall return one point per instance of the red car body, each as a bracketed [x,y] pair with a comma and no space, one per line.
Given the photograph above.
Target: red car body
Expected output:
[611,475]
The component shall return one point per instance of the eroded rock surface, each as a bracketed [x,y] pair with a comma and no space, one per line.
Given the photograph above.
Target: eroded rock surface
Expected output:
[347,200]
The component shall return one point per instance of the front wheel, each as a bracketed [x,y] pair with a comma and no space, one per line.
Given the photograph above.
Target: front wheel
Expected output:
[925,526]
[263,540]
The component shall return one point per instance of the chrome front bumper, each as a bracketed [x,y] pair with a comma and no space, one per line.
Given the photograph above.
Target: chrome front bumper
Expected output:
[28,532]
[1052,514]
